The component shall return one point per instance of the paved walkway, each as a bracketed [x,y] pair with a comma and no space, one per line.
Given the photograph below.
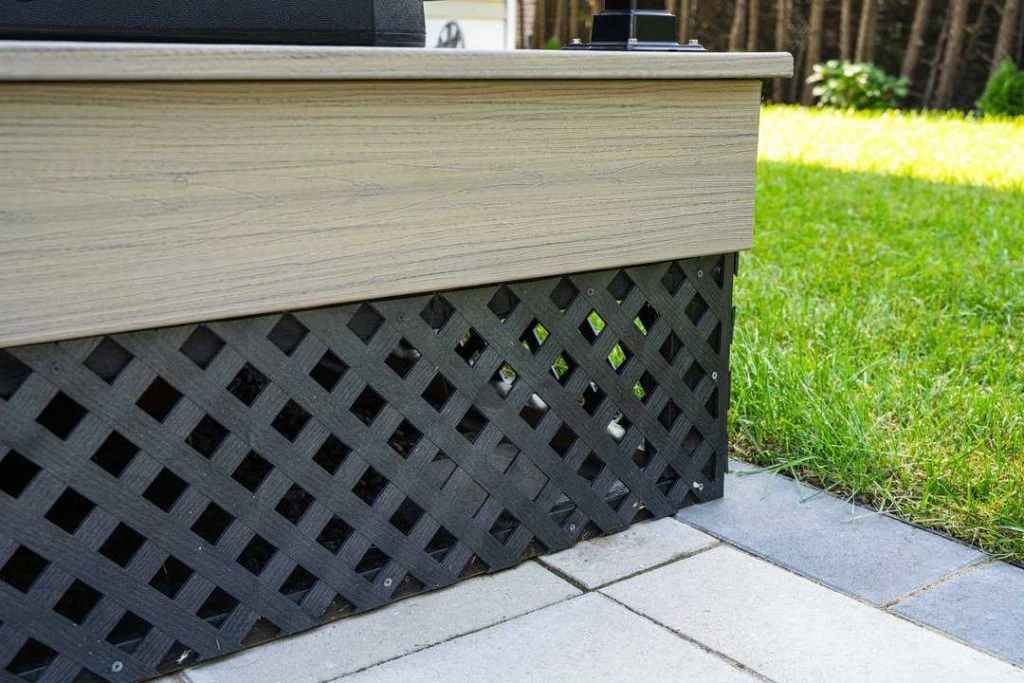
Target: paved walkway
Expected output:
[776,582]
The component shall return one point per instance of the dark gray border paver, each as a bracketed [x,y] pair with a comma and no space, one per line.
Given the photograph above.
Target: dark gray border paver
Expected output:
[984,607]
[851,548]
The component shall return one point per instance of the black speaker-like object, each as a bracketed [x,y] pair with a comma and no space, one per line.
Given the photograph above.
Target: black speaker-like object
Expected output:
[393,23]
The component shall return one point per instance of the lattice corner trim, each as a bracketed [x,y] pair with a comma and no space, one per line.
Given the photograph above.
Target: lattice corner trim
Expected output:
[171,495]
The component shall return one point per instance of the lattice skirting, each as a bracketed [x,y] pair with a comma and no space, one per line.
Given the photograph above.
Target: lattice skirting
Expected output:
[172,495]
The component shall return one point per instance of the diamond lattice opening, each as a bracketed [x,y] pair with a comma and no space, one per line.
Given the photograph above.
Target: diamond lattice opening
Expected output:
[334,534]
[122,544]
[70,510]
[620,286]
[207,436]
[290,421]
[471,347]
[437,313]
[22,569]
[165,489]
[159,399]
[248,384]
[108,359]
[406,516]
[251,472]
[645,318]
[472,424]
[294,503]
[402,358]
[368,406]
[328,371]
[202,346]
[61,415]
[673,279]
[13,374]
[171,577]
[619,356]
[256,555]
[503,303]
[534,336]
[365,322]
[563,294]
[287,334]
[696,309]
[212,523]
[331,454]
[592,326]
[563,367]
[405,438]
[77,602]
[438,392]
[16,473]
[370,486]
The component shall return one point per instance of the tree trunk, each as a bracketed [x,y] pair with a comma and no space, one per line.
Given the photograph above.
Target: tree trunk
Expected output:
[781,40]
[1007,27]
[684,20]
[738,17]
[922,12]
[813,46]
[753,19]
[866,31]
[559,26]
[574,19]
[845,29]
[933,70]
[951,58]
[974,32]
[539,24]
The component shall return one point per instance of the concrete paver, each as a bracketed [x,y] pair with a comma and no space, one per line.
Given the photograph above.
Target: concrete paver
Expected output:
[586,640]
[360,641]
[984,606]
[792,629]
[642,546]
[851,548]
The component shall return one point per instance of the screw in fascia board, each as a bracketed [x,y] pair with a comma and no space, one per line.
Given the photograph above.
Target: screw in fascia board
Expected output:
[700,273]
[699,486]
[387,582]
[572,527]
[590,291]
[116,667]
[714,375]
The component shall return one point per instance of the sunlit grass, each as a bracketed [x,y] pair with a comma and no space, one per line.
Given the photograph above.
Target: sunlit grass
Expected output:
[880,338]
[946,147]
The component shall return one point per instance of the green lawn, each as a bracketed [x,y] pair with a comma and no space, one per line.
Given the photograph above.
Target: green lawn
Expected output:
[880,339]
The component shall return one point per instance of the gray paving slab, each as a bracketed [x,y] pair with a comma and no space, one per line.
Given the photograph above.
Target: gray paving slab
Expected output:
[851,548]
[984,607]
[586,640]
[642,546]
[398,629]
[789,628]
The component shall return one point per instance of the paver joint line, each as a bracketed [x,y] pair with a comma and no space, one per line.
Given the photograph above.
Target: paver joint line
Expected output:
[710,650]
[860,552]
[678,558]
[446,640]
[941,581]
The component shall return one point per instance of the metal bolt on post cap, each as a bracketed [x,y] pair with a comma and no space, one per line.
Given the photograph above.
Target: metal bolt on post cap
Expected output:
[640,25]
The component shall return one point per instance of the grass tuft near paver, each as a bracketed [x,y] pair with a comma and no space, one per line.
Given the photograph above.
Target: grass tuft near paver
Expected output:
[880,342]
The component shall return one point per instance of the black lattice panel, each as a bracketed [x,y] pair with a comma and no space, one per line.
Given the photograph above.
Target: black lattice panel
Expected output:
[171,495]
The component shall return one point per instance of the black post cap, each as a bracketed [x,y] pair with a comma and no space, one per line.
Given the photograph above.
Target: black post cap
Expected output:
[643,25]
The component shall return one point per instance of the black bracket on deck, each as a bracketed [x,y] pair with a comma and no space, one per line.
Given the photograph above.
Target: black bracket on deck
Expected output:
[640,25]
